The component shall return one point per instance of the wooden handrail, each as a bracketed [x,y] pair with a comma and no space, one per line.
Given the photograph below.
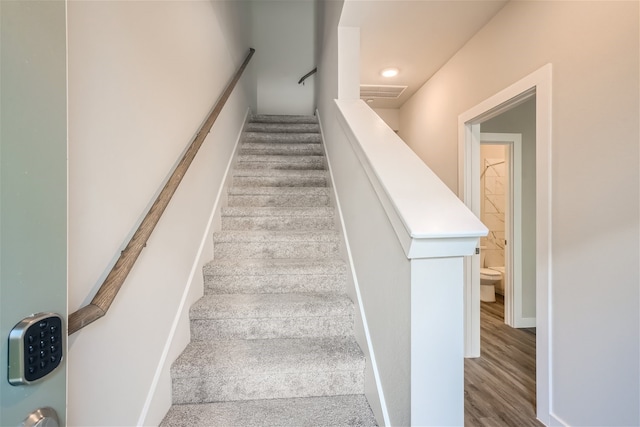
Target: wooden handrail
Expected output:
[116,277]
[306,76]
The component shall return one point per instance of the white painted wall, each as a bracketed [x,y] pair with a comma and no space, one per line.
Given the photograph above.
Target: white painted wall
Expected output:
[391,117]
[521,120]
[283,34]
[594,291]
[142,78]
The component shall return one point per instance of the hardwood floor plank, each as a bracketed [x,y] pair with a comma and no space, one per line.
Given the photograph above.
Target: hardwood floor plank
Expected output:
[500,385]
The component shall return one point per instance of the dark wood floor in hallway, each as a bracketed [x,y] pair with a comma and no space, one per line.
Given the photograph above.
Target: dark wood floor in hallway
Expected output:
[500,385]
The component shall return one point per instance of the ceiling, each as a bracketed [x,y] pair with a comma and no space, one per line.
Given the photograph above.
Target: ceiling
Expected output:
[415,36]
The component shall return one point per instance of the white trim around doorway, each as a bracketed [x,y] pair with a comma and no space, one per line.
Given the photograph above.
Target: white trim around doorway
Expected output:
[512,142]
[539,84]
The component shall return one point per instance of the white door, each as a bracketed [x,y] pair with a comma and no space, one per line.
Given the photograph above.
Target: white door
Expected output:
[33,194]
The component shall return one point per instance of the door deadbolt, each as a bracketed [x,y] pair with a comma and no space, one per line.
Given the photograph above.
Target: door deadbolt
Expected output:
[42,417]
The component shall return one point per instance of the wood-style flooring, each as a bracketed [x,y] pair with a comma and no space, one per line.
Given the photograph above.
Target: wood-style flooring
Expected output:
[500,385]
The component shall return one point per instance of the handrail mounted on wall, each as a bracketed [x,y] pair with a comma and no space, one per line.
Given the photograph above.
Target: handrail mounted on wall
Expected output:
[116,277]
[306,76]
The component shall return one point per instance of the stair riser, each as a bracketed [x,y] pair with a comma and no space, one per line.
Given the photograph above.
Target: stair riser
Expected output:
[282,149]
[278,201]
[282,138]
[275,223]
[266,328]
[283,128]
[298,165]
[279,181]
[274,284]
[283,119]
[270,385]
[344,410]
[306,250]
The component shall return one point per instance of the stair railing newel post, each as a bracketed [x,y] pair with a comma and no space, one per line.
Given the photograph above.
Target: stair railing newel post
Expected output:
[109,289]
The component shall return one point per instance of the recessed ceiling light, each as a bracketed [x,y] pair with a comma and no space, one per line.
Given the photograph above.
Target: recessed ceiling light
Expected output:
[389,72]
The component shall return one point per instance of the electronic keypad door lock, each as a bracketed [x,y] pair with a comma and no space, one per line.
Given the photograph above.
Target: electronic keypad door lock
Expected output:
[36,346]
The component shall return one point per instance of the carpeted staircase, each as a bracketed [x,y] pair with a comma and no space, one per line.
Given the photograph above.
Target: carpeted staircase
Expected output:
[272,340]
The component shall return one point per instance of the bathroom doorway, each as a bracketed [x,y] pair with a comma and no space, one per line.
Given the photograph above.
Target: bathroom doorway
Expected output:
[536,86]
[500,187]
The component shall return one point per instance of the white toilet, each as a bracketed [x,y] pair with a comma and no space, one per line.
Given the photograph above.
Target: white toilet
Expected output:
[488,280]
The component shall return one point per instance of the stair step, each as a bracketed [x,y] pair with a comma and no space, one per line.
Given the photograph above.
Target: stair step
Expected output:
[277,218]
[282,138]
[268,118]
[274,276]
[275,244]
[264,316]
[267,369]
[279,196]
[279,178]
[283,127]
[293,149]
[252,161]
[337,411]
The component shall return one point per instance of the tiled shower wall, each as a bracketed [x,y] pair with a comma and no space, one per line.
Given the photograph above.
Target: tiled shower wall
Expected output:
[492,187]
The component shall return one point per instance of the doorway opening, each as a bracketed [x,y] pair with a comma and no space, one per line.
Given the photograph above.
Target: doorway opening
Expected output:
[500,188]
[536,85]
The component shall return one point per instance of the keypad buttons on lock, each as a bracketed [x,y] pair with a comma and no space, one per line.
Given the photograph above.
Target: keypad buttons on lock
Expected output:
[35,348]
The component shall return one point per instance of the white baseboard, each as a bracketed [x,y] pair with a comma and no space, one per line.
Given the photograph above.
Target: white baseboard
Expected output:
[557,421]
[158,399]
[525,322]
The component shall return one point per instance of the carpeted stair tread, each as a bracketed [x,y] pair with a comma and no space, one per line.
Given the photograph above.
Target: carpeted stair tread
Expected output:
[293,149]
[264,316]
[279,196]
[241,236]
[283,127]
[237,306]
[268,118]
[334,411]
[288,355]
[277,218]
[279,178]
[284,173]
[224,370]
[289,191]
[282,138]
[255,267]
[278,211]
[225,276]
[252,161]
[282,199]
[275,244]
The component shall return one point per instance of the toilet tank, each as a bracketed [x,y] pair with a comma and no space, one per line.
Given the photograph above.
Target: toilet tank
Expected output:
[482,255]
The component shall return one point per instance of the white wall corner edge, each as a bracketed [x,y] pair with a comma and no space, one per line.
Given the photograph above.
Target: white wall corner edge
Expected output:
[374,365]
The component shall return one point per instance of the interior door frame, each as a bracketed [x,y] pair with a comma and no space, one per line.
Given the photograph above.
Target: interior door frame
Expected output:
[513,225]
[538,83]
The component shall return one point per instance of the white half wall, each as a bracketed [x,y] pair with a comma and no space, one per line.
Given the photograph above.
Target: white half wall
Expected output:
[594,49]
[143,76]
